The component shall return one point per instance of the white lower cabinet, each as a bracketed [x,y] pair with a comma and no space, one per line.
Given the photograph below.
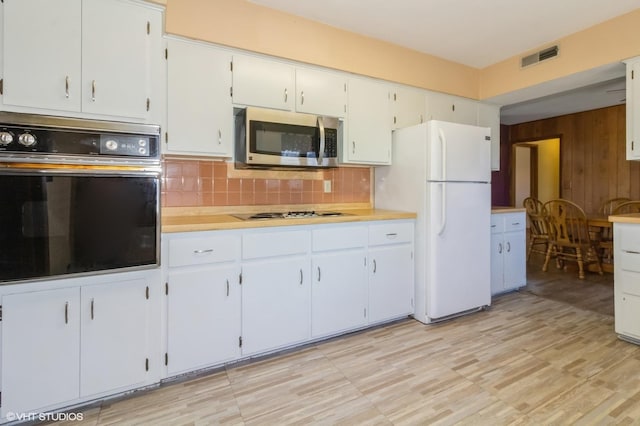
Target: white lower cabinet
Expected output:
[63,345]
[276,290]
[202,288]
[40,349]
[339,280]
[203,317]
[391,271]
[508,252]
[626,246]
[114,347]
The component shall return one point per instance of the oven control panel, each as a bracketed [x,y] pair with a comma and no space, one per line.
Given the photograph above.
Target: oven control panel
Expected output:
[137,146]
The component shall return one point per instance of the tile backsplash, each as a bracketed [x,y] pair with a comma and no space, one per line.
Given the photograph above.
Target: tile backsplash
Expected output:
[204,183]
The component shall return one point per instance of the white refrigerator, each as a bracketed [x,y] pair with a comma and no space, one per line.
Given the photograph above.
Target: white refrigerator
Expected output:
[442,171]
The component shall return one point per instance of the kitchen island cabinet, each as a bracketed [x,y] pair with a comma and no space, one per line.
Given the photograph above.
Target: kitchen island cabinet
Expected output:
[508,251]
[626,278]
[87,71]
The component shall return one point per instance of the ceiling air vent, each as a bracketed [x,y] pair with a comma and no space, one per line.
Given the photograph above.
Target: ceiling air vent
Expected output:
[540,56]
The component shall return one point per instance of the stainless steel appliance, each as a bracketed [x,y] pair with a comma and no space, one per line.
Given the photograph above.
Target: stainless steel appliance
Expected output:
[78,197]
[271,139]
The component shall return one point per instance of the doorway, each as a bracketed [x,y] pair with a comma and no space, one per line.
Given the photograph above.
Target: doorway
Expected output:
[536,166]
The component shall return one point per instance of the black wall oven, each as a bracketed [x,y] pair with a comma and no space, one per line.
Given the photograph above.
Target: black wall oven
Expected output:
[77,197]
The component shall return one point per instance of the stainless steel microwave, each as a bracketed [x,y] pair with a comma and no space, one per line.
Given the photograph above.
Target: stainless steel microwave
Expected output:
[273,139]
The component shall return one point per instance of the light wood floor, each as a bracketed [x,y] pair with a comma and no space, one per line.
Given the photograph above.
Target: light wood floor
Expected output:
[528,360]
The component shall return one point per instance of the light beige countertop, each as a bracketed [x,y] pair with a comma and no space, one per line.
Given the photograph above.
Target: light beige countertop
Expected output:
[211,222]
[507,209]
[625,218]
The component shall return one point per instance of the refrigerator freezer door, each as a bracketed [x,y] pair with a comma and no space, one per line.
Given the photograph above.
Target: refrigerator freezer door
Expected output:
[458,267]
[459,152]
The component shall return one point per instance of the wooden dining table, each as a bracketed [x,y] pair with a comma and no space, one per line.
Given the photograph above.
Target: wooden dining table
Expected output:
[603,230]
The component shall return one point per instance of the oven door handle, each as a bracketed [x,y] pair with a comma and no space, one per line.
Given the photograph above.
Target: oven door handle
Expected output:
[79,170]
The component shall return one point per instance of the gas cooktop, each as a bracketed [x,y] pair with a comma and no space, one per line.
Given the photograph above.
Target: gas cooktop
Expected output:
[287,215]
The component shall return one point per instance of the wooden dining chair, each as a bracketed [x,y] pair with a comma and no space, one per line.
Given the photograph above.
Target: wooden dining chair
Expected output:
[569,238]
[538,234]
[610,205]
[628,207]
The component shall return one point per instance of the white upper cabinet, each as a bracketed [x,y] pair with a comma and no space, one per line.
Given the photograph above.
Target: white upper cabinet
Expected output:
[115,57]
[263,83]
[489,116]
[455,109]
[42,64]
[408,106]
[321,92]
[91,56]
[633,109]
[199,108]
[368,135]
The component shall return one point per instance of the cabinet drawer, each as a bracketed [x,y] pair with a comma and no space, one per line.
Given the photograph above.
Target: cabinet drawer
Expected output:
[269,244]
[338,237]
[628,237]
[497,223]
[203,249]
[514,222]
[390,233]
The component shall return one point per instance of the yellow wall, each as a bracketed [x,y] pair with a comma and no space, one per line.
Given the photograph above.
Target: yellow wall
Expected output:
[244,25]
[602,44]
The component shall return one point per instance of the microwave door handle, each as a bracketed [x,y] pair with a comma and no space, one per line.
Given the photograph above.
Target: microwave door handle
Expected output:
[322,141]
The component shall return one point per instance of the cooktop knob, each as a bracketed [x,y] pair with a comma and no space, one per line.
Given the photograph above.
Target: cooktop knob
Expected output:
[5,138]
[27,139]
[111,145]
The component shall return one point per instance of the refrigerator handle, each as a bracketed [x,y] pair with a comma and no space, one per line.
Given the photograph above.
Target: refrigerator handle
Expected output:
[443,152]
[443,207]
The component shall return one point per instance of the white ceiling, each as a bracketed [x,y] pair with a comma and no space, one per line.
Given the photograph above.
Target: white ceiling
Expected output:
[479,33]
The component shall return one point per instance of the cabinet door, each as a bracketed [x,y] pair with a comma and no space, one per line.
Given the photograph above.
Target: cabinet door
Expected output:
[515,257]
[489,116]
[408,107]
[40,356]
[321,93]
[390,282]
[42,44]
[497,263]
[452,108]
[276,297]
[633,109]
[116,57]
[263,83]
[338,292]
[368,124]
[203,317]
[114,337]
[200,113]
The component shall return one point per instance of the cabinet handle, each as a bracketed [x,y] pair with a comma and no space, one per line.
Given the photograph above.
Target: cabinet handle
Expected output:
[91,309]
[516,223]
[392,235]
[631,252]
[66,87]
[354,146]
[493,226]
[499,247]
[508,246]
[93,91]
[219,137]
[301,277]
[375,266]
[66,312]
[302,98]
[227,288]
[319,274]
[421,119]
[203,251]
[286,95]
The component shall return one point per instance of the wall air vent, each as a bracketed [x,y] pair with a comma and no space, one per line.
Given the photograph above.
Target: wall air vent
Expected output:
[543,55]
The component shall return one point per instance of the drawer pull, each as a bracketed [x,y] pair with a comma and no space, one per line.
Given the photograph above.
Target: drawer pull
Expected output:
[203,251]
[631,252]
[392,235]
[493,226]
[516,223]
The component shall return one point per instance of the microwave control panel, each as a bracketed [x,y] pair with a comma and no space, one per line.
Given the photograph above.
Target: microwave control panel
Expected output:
[331,143]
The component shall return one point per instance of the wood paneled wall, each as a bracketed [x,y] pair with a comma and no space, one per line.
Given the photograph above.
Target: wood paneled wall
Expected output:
[592,155]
